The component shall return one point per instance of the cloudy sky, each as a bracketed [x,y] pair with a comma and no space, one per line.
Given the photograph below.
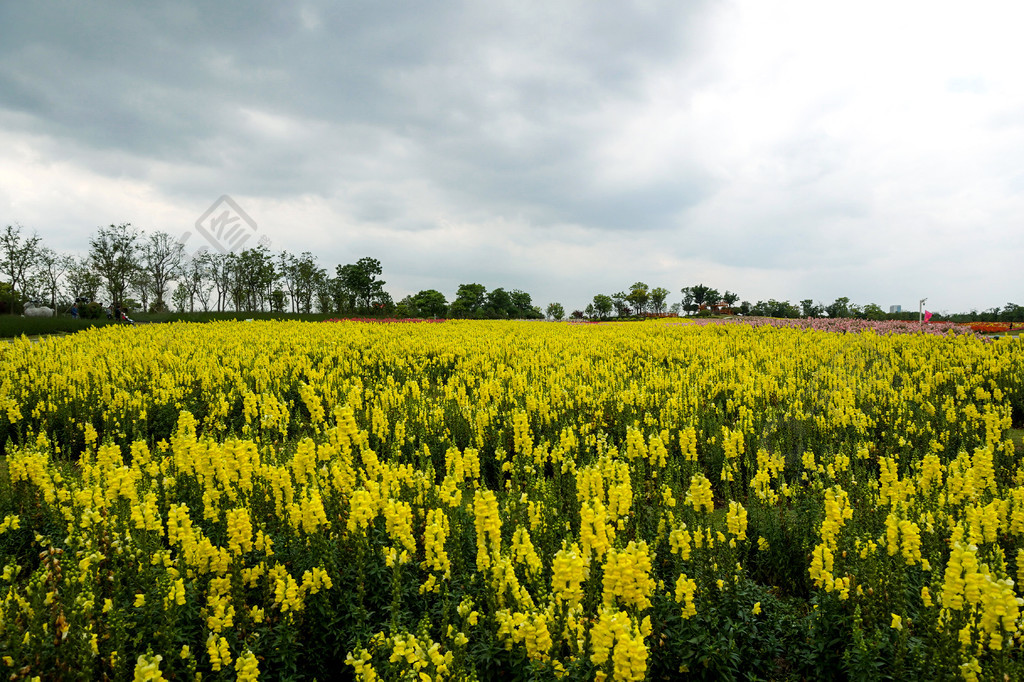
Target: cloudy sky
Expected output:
[793,149]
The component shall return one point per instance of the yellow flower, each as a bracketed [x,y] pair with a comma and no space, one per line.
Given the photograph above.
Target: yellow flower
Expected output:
[247,667]
[699,495]
[897,622]
[686,589]
[627,576]
[736,519]
[148,668]
[217,649]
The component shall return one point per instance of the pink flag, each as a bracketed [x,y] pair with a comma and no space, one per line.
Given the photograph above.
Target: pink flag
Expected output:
[927,316]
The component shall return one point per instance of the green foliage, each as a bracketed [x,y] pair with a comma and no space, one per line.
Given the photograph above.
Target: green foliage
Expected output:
[113,256]
[602,305]
[358,285]
[808,308]
[773,308]
[18,257]
[658,297]
[11,327]
[10,300]
[839,307]
[469,300]
[430,303]
[639,296]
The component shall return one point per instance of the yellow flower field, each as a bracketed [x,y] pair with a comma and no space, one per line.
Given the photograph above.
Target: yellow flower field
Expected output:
[484,500]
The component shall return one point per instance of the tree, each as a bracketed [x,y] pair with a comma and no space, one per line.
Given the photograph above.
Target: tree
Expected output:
[522,304]
[180,298]
[384,304]
[621,303]
[113,254]
[499,304]
[701,295]
[469,299]
[253,277]
[302,279]
[430,303]
[556,311]
[278,300]
[839,308]
[773,308]
[342,299]
[82,281]
[359,281]
[729,298]
[1012,313]
[639,295]
[220,266]
[809,309]
[603,305]
[35,288]
[141,284]
[17,258]
[7,296]
[52,267]
[199,277]
[162,258]
[308,276]
[288,271]
[658,296]
[873,311]
[323,293]
[588,311]
[688,299]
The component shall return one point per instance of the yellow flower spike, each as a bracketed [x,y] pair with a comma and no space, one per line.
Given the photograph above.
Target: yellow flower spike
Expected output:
[148,668]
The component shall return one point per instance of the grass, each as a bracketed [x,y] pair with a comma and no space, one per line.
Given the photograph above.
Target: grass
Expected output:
[214,316]
[1017,436]
[12,326]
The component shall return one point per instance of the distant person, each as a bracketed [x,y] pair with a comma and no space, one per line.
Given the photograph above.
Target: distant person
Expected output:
[74,311]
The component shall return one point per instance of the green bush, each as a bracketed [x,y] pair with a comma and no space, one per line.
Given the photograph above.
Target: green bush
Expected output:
[91,311]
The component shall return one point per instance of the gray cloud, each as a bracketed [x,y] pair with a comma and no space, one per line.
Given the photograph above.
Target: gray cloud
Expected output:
[561,147]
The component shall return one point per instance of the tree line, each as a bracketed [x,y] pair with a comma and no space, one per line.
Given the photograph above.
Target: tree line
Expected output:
[150,272]
[641,300]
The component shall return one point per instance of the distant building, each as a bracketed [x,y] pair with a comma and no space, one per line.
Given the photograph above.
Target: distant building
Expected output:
[720,308]
[895,309]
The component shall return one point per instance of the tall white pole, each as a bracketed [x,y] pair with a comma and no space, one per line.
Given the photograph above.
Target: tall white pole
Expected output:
[920,311]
